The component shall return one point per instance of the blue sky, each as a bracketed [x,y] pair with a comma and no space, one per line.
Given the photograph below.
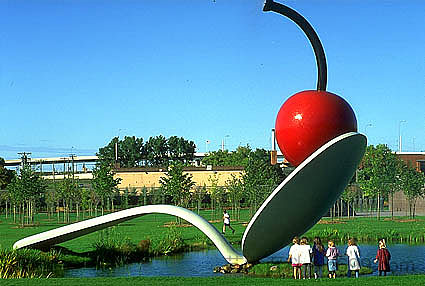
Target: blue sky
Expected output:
[74,74]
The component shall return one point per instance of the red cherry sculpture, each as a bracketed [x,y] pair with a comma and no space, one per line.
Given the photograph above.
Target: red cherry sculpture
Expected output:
[309,119]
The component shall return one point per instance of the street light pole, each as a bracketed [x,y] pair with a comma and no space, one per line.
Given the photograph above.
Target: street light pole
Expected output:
[366,126]
[223,142]
[399,134]
[206,145]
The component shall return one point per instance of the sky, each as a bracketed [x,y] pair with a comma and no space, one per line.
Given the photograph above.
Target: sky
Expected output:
[76,73]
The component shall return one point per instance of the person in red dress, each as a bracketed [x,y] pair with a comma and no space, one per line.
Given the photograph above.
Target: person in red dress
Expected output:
[383,258]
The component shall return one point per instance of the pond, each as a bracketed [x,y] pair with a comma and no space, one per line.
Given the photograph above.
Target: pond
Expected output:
[406,259]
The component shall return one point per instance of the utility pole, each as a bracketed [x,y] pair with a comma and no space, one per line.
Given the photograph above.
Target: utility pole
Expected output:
[64,170]
[72,164]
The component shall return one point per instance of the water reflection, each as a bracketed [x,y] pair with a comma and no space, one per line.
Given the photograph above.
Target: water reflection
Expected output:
[191,264]
[406,259]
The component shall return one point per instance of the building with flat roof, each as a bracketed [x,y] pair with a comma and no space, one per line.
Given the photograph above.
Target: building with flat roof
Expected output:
[139,178]
[400,202]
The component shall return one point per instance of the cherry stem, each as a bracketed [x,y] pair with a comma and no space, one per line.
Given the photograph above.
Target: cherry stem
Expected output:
[322,71]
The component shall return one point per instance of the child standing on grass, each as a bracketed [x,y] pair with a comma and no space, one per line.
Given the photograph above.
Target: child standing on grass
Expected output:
[305,258]
[383,258]
[332,254]
[294,257]
[353,254]
[318,257]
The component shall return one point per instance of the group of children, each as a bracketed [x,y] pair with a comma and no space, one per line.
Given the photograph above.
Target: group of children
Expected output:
[303,257]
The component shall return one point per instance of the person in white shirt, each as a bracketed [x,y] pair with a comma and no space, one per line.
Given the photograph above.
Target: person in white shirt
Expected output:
[226,222]
[305,258]
[353,254]
[294,257]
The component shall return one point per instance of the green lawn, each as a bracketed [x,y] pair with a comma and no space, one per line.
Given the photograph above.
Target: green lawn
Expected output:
[154,226]
[413,280]
[146,227]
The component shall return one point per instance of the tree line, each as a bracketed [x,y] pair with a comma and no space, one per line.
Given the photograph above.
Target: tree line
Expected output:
[158,151]
[381,174]
[27,193]
[259,178]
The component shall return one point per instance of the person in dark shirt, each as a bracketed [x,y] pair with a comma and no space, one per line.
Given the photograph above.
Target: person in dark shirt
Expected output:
[318,257]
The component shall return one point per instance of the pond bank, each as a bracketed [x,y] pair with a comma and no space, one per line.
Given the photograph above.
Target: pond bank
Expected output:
[407,259]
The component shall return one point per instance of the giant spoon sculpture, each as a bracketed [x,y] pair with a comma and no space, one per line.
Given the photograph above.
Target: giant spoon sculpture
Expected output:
[316,131]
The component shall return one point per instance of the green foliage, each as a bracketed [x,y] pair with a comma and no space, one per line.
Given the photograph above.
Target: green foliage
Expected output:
[180,150]
[383,173]
[413,184]
[114,249]
[177,184]
[27,263]
[225,158]
[158,151]
[379,169]
[351,192]
[103,182]
[27,185]
[6,175]
[260,178]
[130,152]
[24,190]
[171,242]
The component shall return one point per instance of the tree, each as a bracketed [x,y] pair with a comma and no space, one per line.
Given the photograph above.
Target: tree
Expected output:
[234,188]
[68,191]
[378,172]
[104,184]
[131,152]
[260,178]
[351,192]
[413,183]
[157,151]
[180,150]
[177,184]
[6,175]
[240,157]
[25,189]
[216,194]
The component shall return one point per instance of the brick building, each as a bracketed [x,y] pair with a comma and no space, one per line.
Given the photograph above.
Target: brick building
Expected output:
[416,160]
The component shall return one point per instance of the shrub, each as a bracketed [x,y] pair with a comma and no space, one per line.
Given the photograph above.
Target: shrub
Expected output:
[171,243]
[28,263]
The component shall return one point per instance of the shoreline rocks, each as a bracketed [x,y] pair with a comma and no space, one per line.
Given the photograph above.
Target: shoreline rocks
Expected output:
[233,268]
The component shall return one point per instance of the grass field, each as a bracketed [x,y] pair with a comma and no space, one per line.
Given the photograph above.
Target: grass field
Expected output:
[146,227]
[413,280]
[155,226]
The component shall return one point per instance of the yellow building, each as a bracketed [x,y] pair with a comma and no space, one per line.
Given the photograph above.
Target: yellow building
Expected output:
[137,178]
